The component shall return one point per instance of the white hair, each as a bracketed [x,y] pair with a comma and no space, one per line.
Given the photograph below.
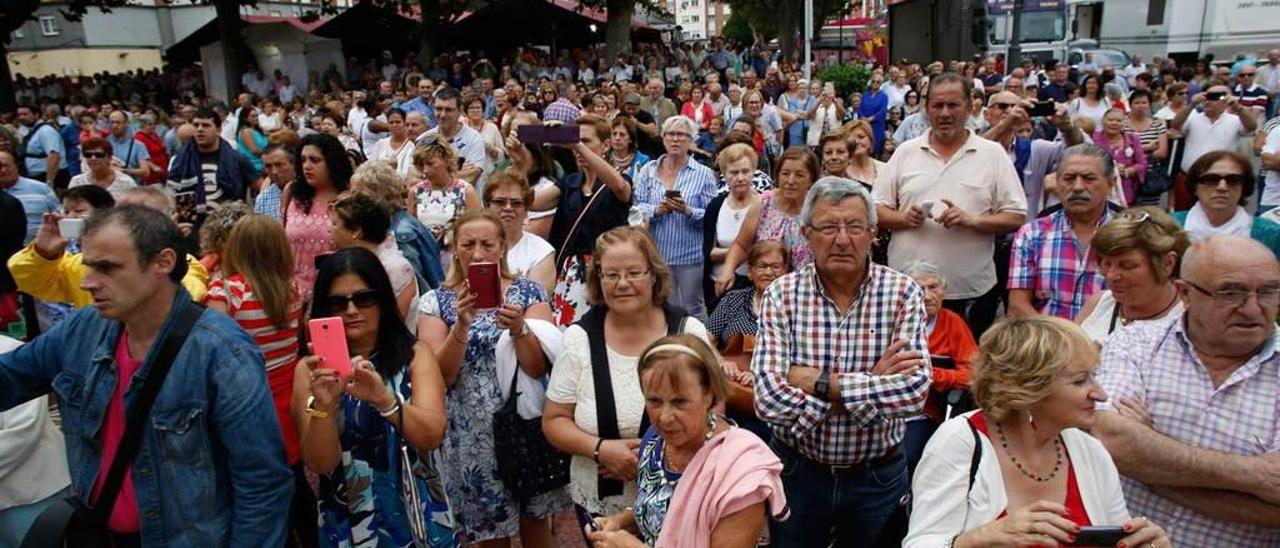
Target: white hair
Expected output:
[835,190]
[681,122]
[921,268]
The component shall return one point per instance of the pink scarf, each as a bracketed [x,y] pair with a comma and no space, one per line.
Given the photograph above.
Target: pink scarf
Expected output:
[732,471]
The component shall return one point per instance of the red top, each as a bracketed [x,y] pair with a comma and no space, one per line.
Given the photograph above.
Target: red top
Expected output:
[124,516]
[950,337]
[1074,504]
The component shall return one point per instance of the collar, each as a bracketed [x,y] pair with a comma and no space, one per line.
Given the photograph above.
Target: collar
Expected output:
[1178,329]
[970,142]
[811,270]
[1063,222]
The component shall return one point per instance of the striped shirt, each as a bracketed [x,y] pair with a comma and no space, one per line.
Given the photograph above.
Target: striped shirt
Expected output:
[37,199]
[1149,135]
[800,324]
[268,202]
[279,346]
[1060,272]
[1156,365]
[679,236]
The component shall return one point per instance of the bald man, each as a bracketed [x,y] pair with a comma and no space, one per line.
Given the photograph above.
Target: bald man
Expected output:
[1193,419]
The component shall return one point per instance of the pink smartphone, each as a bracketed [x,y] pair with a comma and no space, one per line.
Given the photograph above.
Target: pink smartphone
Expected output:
[486,284]
[329,340]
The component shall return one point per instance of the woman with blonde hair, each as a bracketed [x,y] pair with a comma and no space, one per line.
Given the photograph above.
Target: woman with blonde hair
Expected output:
[257,290]
[628,284]
[725,215]
[441,196]
[1047,478]
[479,352]
[863,167]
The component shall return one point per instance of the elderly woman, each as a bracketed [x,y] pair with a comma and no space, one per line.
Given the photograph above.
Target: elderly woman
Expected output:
[701,481]
[1223,181]
[672,194]
[729,212]
[1138,254]
[628,284]
[776,218]
[1126,150]
[441,196]
[415,242]
[1047,477]
[97,154]
[1151,131]
[951,351]
[835,149]
[360,220]
[471,345]
[509,195]
[863,167]
[623,155]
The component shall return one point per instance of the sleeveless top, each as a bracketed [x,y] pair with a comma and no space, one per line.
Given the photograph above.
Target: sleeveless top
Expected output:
[779,227]
[309,236]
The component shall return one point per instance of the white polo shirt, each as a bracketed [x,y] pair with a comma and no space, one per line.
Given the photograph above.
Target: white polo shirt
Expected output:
[979,179]
[1204,135]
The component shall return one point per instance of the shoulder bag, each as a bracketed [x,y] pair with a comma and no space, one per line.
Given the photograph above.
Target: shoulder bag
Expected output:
[69,521]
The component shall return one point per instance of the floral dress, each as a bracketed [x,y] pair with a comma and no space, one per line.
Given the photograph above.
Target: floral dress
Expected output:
[482,504]
[361,502]
[655,485]
[777,226]
[437,209]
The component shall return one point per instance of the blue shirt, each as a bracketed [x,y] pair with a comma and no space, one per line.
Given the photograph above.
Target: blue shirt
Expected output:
[37,199]
[44,142]
[210,470]
[268,202]
[679,236]
[128,150]
[418,105]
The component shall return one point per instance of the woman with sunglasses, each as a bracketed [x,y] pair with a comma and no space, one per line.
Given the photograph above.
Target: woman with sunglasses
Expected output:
[1223,181]
[351,430]
[1138,254]
[509,195]
[97,154]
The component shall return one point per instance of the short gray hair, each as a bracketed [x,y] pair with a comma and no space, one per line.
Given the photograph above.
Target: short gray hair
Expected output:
[836,190]
[682,122]
[1090,150]
[921,268]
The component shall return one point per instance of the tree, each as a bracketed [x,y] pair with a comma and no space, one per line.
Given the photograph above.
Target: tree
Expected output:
[785,18]
[13,13]
[617,29]
[737,29]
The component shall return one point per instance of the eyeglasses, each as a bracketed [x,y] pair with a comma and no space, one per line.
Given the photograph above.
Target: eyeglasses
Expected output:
[94,155]
[775,267]
[503,203]
[1213,179]
[677,135]
[1003,106]
[833,229]
[632,276]
[1232,298]
[365,298]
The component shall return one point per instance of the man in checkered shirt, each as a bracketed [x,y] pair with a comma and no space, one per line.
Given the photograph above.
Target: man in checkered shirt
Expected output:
[1193,422]
[839,365]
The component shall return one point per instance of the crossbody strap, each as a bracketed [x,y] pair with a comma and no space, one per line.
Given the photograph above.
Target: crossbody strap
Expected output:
[574,229]
[136,422]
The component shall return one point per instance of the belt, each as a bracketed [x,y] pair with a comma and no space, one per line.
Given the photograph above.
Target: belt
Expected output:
[837,470]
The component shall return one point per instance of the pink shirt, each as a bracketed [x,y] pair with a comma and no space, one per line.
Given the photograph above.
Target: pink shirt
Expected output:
[124,517]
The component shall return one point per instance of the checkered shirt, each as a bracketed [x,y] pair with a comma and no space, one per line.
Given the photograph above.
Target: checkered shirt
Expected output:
[563,110]
[800,325]
[1047,259]
[1155,364]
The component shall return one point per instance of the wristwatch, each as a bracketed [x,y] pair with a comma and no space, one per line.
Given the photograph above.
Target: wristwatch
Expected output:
[311,410]
[822,385]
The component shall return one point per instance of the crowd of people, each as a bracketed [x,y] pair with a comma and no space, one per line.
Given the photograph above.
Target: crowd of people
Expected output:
[687,293]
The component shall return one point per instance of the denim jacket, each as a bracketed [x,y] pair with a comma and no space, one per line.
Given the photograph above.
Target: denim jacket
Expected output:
[211,468]
[419,248]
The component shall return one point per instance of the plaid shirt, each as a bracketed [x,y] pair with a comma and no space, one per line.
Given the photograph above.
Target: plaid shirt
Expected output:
[800,325]
[1047,259]
[1156,364]
[563,110]
[268,202]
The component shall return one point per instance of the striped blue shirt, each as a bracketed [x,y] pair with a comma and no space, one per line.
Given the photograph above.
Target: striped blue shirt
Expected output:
[37,199]
[268,202]
[679,236]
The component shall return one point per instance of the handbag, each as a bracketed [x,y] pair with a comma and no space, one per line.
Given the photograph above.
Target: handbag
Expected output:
[1157,182]
[527,463]
[71,522]
[422,490]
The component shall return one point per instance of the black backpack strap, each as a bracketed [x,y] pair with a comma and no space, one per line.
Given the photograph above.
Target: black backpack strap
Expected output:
[977,454]
[26,143]
[135,424]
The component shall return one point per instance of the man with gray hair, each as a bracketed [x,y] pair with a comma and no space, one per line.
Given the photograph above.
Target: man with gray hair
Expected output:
[1193,415]
[655,103]
[839,366]
[1051,271]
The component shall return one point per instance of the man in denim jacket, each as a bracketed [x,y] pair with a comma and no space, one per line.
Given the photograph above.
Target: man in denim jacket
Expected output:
[211,468]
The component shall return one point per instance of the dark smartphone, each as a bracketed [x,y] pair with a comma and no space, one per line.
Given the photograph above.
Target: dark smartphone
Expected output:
[1215,95]
[585,522]
[1042,108]
[485,283]
[945,362]
[563,135]
[672,194]
[1107,535]
[531,134]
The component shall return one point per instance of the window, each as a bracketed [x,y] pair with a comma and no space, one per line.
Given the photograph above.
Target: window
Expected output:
[48,25]
[1155,12]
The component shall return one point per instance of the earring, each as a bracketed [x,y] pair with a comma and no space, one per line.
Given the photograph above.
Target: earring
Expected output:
[1032,418]
[711,425]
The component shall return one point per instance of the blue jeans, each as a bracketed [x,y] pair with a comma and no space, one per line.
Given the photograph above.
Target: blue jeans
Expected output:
[844,510]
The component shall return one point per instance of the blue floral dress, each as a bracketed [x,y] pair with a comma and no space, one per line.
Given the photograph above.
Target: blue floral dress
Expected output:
[655,485]
[482,504]
[361,502]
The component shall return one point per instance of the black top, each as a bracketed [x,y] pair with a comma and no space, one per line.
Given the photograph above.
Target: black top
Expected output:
[606,213]
[733,316]
[651,146]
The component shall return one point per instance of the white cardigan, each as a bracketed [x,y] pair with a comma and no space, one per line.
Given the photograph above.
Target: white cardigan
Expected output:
[940,510]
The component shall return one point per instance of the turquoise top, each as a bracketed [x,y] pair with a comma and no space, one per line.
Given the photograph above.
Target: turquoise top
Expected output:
[1264,230]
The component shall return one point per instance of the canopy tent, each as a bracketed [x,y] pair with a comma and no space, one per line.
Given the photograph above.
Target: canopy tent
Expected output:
[284,43]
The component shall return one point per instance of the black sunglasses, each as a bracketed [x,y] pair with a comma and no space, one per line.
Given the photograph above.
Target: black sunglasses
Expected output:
[1212,179]
[94,154]
[365,298]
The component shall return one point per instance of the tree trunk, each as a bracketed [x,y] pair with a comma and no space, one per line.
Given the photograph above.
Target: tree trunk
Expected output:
[617,31]
[788,29]
[234,53]
[430,29]
[8,100]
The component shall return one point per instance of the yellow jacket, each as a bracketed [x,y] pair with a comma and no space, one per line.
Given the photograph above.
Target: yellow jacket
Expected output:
[59,280]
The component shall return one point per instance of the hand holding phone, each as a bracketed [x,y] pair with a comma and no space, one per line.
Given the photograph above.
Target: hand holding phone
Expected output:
[486,285]
[329,341]
[1042,109]
[1108,535]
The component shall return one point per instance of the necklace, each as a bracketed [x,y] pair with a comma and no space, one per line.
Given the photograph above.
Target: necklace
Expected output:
[1057,449]
[1127,321]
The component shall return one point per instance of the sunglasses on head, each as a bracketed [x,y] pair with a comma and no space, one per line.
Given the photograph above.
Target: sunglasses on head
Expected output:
[365,298]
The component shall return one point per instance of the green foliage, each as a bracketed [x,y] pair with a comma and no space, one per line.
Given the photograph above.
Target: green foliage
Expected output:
[846,78]
[737,29]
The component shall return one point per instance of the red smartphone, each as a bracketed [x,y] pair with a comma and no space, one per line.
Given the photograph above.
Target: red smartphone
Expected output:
[486,284]
[329,340]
